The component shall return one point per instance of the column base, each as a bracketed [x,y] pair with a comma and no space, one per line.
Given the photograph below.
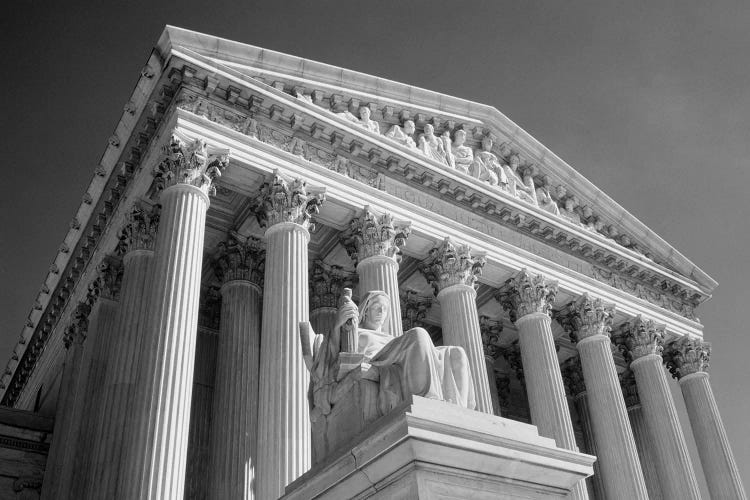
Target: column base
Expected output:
[431,449]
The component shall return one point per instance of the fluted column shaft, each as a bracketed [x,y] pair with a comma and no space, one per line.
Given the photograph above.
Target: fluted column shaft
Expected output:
[673,460]
[581,401]
[544,385]
[460,322]
[644,445]
[157,445]
[283,420]
[323,319]
[615,445]
[235,408]
[719,466]
[380,272]
[489,363]
[120,379]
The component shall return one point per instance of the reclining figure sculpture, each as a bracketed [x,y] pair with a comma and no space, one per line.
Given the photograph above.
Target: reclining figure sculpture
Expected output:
[359,373]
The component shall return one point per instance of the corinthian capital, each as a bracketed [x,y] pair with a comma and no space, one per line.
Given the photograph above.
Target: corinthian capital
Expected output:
[642,337]
[240,258]
[586,317]
[686,356]
[451,264]
[79,325]
[190,162]
[525,294]
[371,234]
[414,309]
[287,200]
[109,278]
[490,331]
[139,232]
[327,284]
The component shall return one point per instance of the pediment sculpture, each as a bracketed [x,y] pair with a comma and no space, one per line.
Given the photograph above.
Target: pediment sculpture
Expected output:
[359,373]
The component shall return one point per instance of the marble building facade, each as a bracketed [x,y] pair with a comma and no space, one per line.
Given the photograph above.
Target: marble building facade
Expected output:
[244,190]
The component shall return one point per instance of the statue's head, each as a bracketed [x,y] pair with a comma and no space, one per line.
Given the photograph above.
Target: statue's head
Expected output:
[460,137]
[409,127]
[487,143]
[373,310]
[429,129]
[364,112]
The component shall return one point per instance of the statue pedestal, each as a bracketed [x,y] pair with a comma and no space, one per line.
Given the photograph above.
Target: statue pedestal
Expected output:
[431,449]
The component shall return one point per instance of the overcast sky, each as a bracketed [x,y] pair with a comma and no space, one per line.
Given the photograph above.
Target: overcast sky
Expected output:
[650,102]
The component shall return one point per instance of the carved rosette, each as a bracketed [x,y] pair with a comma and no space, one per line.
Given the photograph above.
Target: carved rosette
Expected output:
[491,331]
[414,309]
[687,356]
[586,317]
[190,162]
[139,232]
[240,258]
[327,283]
[450,264]
[283,200]
[629,389]
[572,375]
[642,337]
[109,278]
[526,294]
[371,234]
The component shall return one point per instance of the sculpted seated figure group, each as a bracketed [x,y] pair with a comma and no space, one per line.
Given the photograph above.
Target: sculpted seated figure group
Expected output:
[357,351]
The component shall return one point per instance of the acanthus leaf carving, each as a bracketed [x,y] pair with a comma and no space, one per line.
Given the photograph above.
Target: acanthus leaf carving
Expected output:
[190,162]
[490,330]
[452,264]
[139,232]
[240,258]
[586,317]
[414,309]
[572,375]
[526,294]
[327,283]
[686,356]
[281,200]
[373,234]
[642,337]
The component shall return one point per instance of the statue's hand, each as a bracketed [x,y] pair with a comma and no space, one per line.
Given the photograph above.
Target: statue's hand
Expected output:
[347,311]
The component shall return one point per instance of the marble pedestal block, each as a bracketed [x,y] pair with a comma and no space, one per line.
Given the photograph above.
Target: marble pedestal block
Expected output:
[430,449]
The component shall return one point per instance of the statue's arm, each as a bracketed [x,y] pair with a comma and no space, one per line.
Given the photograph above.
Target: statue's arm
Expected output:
[305,334]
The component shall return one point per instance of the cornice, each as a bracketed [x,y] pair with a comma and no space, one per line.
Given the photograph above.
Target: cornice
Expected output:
[322,80]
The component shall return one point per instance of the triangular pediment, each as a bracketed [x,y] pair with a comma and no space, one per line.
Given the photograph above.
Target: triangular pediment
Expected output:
[315,89]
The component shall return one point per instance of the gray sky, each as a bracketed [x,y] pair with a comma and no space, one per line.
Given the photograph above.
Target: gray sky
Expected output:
[649,100]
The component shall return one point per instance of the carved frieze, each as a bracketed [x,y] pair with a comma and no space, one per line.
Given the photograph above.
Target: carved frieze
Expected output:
[373,234]
[240,258]
[452,264]
[526,294]
[287,200]
[686,356]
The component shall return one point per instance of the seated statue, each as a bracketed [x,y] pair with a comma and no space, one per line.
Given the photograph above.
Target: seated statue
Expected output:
[487,168]
[437,148]
[364,119]
[405,365]
[545,199]
[404,135]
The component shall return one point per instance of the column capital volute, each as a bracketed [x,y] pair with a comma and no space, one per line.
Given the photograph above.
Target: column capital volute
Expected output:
[139,231]
[490,330]
[240,258]
[190,161]
[641,337]
[452,264]
[572,374]
[290,200]
[586,317]
[527,293]
[686,356]
[327,283]
[372,234]
[414,308]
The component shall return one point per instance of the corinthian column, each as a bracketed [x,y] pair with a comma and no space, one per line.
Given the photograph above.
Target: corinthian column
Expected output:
[157,446]
[452,271]
[573,377]
[491,331]
[136,246]
[528,299]
[643,340]
[69,409]
[589,321]
[374,243]
[239,267]
[643,441]
[688,359]
[285,208]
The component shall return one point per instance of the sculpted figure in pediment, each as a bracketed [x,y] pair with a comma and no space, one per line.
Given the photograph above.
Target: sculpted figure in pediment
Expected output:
[403,366]
[487,168]
[364,119]
[437,148]
[404,135]
[545,200]
[526,190]
[463,156]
